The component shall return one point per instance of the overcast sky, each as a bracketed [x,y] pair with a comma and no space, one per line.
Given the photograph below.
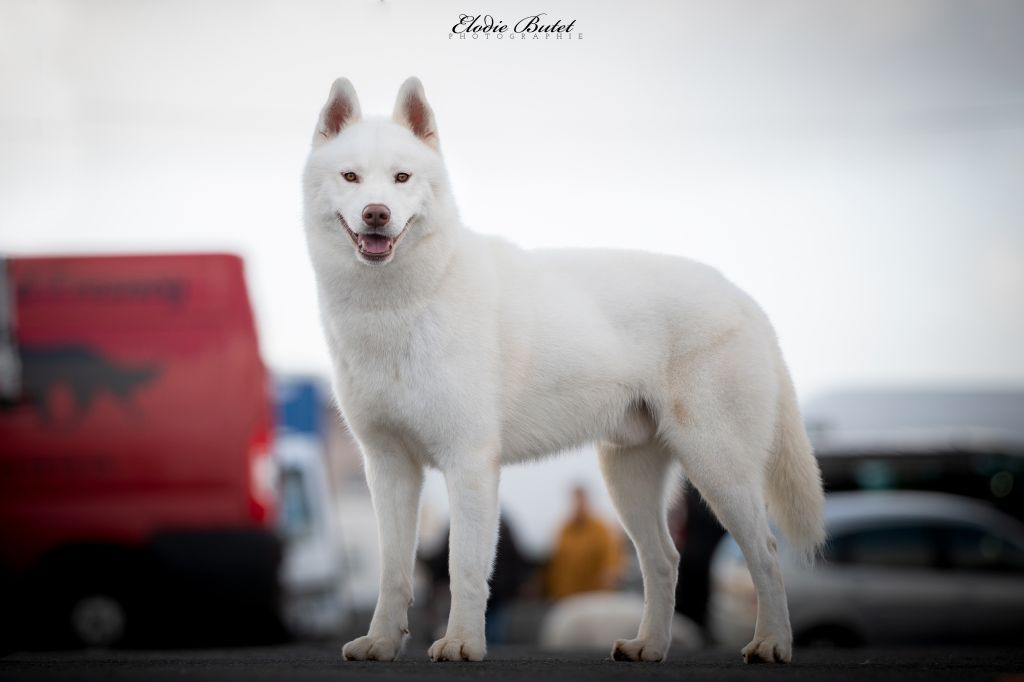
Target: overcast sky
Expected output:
[857,166]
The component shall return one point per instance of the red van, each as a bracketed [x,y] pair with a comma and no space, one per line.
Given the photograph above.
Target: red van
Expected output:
[136,484]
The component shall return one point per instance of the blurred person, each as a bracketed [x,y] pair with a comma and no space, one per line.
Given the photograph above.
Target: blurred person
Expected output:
[587,556]
[700,534]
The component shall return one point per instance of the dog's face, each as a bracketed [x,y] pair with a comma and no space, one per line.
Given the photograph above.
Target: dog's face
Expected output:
[372,184]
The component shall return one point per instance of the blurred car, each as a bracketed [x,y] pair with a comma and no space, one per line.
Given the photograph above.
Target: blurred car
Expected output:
[899,567]
[592,621]
[136,480]
[313,601]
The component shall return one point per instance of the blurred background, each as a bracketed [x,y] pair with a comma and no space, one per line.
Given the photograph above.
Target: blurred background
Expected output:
[167,436]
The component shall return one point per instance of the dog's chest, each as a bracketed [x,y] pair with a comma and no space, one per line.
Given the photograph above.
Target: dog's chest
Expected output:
[394,366]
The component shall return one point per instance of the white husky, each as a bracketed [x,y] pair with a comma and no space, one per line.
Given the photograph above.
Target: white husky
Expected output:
[463,352]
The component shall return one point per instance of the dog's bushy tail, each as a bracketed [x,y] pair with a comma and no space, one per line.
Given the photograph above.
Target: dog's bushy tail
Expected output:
[793,488]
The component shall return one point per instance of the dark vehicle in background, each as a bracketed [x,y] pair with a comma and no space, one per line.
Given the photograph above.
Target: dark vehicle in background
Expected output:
[137,490]
[900,567]
[967,443]
[962,442]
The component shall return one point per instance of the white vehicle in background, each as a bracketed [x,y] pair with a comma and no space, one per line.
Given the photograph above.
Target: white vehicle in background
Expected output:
[312,568]
[899,567]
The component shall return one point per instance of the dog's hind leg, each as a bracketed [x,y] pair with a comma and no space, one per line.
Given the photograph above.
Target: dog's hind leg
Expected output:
[731,480]
[724,427]
[640,480]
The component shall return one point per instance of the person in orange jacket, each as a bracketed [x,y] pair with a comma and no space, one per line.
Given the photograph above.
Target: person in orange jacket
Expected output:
[587,555]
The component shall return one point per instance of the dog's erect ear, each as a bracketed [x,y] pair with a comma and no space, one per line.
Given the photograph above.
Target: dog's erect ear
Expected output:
[413,112]
[341,110]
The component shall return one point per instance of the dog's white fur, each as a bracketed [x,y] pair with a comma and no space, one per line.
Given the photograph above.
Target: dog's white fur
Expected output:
[464,353]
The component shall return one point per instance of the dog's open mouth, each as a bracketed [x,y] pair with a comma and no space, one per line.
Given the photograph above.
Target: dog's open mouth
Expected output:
[373,246]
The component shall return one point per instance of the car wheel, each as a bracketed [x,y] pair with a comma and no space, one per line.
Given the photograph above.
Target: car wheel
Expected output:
[98,620]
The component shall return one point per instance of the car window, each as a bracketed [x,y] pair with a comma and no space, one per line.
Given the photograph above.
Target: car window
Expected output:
[295,515]
[906,546]
[977,549]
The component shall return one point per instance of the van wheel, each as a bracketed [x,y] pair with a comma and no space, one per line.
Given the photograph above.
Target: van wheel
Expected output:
[98,620]
[829,636]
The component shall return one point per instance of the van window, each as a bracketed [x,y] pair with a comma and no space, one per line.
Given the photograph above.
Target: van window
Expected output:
[906,546]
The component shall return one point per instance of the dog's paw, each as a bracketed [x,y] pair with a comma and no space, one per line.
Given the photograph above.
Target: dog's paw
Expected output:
[371,649]
[768,649]
[452,649]
[639,650]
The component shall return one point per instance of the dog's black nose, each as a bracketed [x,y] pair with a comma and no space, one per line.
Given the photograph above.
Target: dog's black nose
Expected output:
[376,215]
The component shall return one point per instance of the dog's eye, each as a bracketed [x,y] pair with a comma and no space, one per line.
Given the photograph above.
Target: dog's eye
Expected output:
[402,177]
[350,176]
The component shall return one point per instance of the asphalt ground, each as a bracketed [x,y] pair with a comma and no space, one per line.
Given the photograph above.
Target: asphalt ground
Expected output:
[323,662]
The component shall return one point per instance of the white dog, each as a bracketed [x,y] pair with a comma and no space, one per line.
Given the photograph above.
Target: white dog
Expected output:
[463,352]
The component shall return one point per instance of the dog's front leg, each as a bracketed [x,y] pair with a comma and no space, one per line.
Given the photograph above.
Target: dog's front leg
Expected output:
[396,482]
[473,497]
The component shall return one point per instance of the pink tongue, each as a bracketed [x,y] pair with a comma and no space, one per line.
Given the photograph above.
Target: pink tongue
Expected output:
[376,244]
